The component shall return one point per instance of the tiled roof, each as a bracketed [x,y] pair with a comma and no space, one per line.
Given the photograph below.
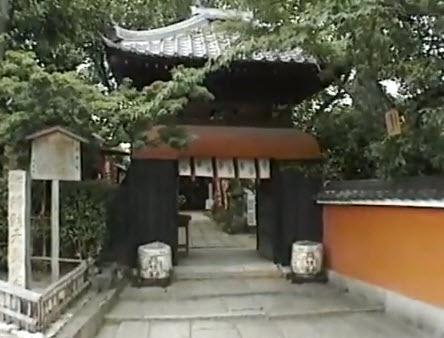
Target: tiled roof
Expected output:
[407,189]
[196,37]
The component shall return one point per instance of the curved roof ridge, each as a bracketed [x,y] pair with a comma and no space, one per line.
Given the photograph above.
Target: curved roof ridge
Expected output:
[196,21]
[221,14]
[201,18]
[195,38]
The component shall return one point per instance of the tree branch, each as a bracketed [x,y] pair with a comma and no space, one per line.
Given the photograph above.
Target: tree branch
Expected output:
[413,9]
[424,100]
[327,103]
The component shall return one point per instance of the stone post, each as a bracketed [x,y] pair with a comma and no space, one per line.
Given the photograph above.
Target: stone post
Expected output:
[19,227]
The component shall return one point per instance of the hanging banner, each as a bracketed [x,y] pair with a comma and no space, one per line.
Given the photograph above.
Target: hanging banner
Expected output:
[184,167]
[203,167]
[251,208]
[246,168]
[264,168]
[225,168]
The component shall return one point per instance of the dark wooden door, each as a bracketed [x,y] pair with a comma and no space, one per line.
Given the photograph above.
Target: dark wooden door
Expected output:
[148,209]
[266,219]
[299,215]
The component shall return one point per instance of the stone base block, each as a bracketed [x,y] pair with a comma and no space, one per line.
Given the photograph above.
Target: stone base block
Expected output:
[158,282]
[320,277]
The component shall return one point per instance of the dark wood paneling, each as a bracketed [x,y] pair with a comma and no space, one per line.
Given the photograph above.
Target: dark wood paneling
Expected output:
[255,81]
[266,219]
[195,192]
[146,209]
[299,215]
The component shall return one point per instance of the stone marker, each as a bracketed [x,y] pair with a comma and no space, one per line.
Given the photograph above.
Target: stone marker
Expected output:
[19,203]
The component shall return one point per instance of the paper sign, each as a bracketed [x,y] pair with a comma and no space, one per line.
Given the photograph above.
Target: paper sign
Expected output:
[246,168]
[225,168]
[203,167]
[184,167]
[264,168]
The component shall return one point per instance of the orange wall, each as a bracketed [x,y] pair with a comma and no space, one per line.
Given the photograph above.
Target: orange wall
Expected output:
[397,248]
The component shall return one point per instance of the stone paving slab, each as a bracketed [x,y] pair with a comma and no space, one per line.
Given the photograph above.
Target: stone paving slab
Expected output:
[204,233]
[168,330]
[362,325]
[190,289]
[224,263]
[213,329]
[250,305]
[248,308]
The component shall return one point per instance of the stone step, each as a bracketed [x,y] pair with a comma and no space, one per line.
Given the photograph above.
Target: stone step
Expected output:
[218,307]
[207,288]
[235,315]
[225,272]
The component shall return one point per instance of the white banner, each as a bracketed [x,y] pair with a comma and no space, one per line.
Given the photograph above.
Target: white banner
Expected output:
[184,167]
[225,168]
[203,167]
[264,168]
[251,208]
[246,168]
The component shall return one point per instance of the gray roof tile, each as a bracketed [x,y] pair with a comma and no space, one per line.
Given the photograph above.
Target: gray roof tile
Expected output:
[411,189]
[196,37]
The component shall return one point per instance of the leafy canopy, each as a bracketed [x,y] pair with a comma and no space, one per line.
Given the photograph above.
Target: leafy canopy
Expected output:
[390,54]
[55,72]
[361,46]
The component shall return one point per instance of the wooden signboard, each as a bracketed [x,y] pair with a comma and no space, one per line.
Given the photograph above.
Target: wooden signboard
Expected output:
[55,155]
[392,122]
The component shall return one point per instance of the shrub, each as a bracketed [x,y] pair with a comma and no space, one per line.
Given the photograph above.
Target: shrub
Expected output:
[83,222]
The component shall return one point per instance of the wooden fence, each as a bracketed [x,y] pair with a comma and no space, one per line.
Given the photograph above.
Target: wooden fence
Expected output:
[33,311]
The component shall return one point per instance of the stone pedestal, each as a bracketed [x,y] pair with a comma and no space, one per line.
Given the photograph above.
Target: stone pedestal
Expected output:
[306,262]
[155,264]
[19,203]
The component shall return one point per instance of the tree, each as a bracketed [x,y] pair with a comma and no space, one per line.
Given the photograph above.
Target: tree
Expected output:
[40,81]
[359,44]
[370,42]
[32,98]
[4,16]
[66,33]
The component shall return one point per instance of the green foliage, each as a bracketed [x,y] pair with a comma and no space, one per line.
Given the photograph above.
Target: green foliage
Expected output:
[232,220]
[64,79]
[83,223]
[83,219]
[66,33]
[32,98]
[361,44]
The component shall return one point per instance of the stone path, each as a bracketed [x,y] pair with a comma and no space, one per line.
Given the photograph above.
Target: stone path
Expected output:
[204,233]
[224,263]
[215,295]
[244,308]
